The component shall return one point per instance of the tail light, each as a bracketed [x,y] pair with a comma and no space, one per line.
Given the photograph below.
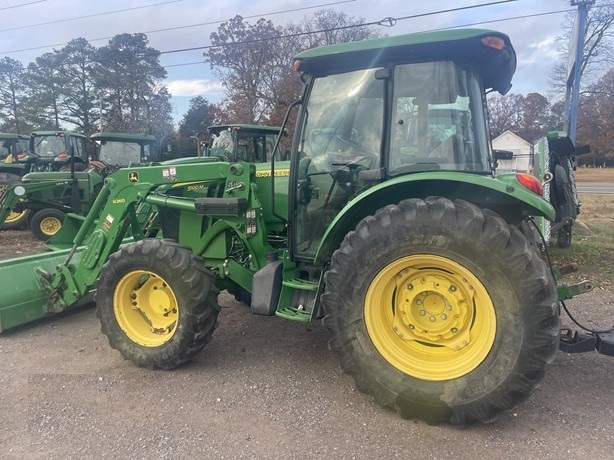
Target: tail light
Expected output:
[531,182]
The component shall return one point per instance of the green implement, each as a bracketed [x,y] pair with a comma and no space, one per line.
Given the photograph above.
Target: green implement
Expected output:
[24,298]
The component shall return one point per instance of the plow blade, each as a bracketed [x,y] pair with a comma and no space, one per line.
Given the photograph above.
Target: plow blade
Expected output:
[22,297]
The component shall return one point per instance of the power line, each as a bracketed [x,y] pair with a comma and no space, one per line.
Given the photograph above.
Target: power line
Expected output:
[293,10]
[507,19]
[105,13]
[21,4]
[386,22]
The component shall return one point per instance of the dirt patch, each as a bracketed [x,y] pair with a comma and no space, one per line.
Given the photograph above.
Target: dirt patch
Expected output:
[19,243]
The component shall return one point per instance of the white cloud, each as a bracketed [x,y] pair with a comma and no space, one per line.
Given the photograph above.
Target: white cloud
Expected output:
[179,88]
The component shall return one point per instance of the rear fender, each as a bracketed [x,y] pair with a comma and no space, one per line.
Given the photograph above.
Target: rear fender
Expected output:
[504,195]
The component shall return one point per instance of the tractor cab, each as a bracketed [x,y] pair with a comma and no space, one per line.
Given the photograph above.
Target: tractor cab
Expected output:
[380,113]
[240,142]
[11,146]
[119,150]
[58,150]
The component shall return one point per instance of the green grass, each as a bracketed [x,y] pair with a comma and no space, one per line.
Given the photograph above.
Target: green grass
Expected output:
[592,250]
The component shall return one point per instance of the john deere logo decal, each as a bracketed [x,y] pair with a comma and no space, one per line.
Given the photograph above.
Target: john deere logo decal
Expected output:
[133,176]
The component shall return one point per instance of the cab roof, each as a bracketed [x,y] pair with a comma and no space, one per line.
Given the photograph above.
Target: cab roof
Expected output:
[58,132]
[13,136]
[215,129]
[496,65]
[124,137]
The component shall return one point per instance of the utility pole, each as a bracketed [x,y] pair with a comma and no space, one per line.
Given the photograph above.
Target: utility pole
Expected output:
[574,66]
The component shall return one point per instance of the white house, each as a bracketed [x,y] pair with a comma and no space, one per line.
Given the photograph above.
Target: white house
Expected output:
[522,159]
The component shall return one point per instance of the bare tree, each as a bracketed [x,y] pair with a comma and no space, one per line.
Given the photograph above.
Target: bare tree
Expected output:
[254,61]
[598,53]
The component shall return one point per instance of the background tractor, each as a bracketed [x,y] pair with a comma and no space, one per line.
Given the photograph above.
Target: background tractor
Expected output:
[556,161]
[386,221]
[73,182]
[251,143]
[14,163]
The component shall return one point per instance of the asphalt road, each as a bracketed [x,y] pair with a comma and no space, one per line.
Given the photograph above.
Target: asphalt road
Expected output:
[595,187]
[265,388]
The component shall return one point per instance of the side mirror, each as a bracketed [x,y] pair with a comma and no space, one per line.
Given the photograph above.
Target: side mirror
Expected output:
[502,154]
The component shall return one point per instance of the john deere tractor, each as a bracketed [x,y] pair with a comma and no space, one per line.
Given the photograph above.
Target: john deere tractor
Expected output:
[73,182]
[390,227]
[14,163]
[251,143]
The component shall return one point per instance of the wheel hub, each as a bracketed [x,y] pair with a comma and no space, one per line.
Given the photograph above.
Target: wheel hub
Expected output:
[431,308]
[146,308]
[430,317]
[50,225]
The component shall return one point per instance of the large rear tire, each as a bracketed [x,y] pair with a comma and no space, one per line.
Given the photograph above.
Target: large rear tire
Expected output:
[441,311]
[157,304]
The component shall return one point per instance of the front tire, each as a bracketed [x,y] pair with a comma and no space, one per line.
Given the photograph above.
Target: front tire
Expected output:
[46,223]
[157,304]
[16,220]
[441,311]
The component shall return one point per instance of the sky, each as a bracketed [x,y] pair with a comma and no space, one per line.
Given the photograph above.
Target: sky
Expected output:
[33,27]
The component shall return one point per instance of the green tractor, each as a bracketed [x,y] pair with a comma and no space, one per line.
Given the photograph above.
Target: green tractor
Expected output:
[14,163]
[12,147]
[48,152]
[73,182]
[401,238]
[251,143]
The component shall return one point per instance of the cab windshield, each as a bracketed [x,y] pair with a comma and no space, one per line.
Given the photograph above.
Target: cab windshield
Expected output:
[244,145]
[49,146]
[118,153]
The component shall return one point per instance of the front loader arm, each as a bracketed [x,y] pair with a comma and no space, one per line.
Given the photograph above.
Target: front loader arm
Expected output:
[111,218]
[13,192]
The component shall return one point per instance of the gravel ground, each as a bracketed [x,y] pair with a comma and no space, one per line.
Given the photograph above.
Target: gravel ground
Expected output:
[265,388]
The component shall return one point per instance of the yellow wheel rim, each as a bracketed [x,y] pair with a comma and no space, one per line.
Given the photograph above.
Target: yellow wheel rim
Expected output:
[49,226]
[430,317]
[145,308]
[15,216]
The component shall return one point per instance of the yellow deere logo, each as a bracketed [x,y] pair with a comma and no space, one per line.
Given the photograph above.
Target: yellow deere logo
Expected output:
[133,176]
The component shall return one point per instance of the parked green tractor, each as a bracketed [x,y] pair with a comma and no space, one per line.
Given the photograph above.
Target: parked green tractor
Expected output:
[14,163]
[11,147]
[405,243]
[251,143]
[72,185]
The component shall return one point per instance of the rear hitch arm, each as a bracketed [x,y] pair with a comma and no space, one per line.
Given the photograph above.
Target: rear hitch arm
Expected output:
[569,291]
